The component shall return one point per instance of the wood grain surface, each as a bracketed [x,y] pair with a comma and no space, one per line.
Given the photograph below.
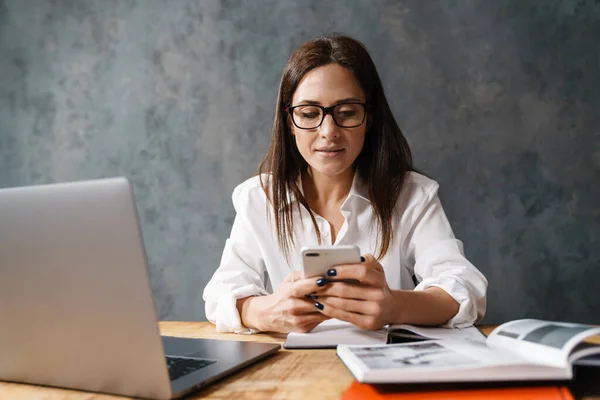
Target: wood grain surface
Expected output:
[289,374]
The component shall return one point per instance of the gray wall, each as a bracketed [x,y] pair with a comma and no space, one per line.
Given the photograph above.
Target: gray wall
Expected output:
[499,100]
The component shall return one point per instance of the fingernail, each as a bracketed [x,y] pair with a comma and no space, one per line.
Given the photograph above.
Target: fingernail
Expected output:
[362,259]
[322,282]
[319,305]
[312,296]
[332,272]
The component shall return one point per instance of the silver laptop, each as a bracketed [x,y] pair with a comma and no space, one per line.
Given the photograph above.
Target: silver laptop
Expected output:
[76,307]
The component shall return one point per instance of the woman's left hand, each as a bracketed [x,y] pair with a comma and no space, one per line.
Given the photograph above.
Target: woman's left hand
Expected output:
[366,304]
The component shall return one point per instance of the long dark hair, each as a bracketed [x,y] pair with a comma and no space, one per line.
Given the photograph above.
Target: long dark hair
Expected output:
[383,162]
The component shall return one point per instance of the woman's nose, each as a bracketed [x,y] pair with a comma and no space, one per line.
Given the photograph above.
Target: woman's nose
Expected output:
[329,128]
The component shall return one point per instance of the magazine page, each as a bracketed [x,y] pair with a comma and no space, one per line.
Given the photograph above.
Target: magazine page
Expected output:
[586,353]
[330,333]
[409,331]
[441,360]
[446,353]
[546,342]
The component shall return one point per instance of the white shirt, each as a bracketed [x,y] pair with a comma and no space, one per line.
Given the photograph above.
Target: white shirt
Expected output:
[424,245]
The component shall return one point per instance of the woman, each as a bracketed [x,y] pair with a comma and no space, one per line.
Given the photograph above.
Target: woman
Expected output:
[339,171]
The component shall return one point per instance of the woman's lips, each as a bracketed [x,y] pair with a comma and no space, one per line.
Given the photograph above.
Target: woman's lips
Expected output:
[330,153]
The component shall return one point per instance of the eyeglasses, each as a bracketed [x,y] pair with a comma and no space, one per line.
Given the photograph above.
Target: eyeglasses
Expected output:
[345,115]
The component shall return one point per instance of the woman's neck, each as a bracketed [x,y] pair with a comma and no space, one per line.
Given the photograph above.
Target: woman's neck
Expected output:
[326,191]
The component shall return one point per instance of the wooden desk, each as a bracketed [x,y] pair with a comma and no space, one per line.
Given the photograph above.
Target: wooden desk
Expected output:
[289,374]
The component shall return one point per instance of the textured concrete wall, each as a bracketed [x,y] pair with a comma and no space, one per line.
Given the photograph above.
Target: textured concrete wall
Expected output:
[499,101]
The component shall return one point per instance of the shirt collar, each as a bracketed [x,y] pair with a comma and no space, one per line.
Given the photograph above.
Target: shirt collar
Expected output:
[358,189]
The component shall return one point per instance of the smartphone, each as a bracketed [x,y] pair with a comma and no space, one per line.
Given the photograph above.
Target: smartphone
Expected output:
[316,260]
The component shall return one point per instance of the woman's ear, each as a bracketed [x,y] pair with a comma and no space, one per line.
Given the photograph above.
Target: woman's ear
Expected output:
[290,126]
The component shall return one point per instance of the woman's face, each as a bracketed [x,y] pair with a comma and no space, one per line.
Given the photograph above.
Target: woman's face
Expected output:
[329,149]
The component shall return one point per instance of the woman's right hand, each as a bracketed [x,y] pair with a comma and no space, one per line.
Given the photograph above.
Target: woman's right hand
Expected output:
[288,309]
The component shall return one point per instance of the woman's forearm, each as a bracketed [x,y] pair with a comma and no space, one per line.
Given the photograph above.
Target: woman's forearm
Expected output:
[432,306]
[250,309]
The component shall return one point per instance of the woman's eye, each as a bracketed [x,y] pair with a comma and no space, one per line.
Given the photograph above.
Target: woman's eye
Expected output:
[345,114]
[310,115]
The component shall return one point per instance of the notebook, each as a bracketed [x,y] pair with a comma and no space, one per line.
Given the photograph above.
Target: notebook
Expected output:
[333,332]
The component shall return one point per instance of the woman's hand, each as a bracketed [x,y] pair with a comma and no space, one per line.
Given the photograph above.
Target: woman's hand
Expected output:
[367,303]
[288,309]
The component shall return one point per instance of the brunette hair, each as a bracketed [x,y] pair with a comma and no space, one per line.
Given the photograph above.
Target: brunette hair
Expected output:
[383,162]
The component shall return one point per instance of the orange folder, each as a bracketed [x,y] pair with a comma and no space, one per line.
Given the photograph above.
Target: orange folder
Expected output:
[363,391]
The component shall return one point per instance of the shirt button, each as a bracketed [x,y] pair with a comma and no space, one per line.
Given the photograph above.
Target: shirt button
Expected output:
[325,234]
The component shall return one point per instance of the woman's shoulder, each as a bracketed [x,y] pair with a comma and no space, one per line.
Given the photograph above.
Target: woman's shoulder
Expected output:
[421,182]
[417,189]
[250,192]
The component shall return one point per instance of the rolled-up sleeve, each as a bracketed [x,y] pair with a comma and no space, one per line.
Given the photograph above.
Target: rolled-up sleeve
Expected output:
[240,273]
[439,261]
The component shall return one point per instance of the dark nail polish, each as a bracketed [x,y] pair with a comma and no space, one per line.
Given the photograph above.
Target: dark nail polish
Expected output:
[322,282]
[362,259]
[332,272]
[319,305]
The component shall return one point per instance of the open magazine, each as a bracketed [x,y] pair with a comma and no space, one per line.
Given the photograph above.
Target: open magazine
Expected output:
[333,332]
[525,349]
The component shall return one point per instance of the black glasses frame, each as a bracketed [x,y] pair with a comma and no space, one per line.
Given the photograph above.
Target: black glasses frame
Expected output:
[327,111]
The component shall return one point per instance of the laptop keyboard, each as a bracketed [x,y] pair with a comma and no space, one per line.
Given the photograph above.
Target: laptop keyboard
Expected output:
[180,366]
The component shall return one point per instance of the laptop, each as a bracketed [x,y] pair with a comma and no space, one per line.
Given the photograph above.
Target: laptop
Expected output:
[76,306]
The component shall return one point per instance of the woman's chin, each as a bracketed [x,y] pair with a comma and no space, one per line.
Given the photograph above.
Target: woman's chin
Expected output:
[331,170]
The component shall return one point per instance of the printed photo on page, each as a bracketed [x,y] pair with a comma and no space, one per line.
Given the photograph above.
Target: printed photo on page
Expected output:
[429,354]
